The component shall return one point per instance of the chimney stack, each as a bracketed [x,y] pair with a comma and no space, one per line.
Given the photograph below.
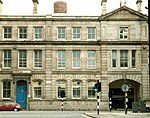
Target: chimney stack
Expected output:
[1,6]
[139,2]
[35,3]
[103,4]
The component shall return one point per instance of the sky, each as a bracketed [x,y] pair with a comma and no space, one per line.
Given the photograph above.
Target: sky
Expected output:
[74,7]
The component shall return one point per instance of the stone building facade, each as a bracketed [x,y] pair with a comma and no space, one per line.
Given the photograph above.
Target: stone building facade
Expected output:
[41,55]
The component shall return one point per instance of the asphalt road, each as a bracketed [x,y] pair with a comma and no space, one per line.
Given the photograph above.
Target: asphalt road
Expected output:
[42,114]
[71,114]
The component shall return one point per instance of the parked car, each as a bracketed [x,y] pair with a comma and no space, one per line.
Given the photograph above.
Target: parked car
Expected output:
[10,107]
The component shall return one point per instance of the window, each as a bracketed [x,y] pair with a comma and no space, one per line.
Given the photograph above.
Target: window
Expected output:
[61,59]
[76,59]
[91,59]
[37,58]
[91,33]
[133,58]
[37,90]
[61,85]
[123,32]
[91,92]
[123,58]
[76,89]
[61,33]
[7,32]
[114,58]
[76,33]
[22,58]
[23,32]
[6,89]
[38,32]
[7,58]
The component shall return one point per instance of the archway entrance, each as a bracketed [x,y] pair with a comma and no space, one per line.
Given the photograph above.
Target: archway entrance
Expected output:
[21,93]
[118,96]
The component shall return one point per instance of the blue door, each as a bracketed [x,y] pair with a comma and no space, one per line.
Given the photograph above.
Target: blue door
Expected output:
[21,93]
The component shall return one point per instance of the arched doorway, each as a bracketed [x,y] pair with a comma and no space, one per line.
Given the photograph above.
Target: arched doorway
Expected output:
[21,93]
[118,96]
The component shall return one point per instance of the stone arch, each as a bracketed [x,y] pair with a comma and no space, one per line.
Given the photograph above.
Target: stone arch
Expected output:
[133,77]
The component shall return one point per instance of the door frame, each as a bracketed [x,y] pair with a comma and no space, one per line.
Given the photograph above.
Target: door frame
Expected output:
[24,94]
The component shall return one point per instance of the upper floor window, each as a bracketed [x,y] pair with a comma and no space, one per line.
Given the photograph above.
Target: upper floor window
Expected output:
[37,90]
[91,59]
[133,58]
[123,58]
[114,58]
[22,32]
[61,86]
[22,58]
[7,32]
[61,59]
[91,92]
[6,89]
[38,32]
[76,59]
[7,58]
[76,89]
[91,33]
[37,58]
[76,33]
[61,32]
[123,32]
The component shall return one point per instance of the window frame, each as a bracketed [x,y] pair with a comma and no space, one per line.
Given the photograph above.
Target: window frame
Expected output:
[37,84]
[114,58]
[123,33]
[8,58]
[91,59]
[39,34]
[133,60]
[23,59]
[76,31]
[61,59]
[124,59]
[38,58]
[7,89]
[90,32]
[61,85]
[90,86]
[7,33]
[76,59]
[77,85]
[22,35]
[61,33]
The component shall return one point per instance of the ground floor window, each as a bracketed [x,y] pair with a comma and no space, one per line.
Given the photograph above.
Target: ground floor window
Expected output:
[6,89]
[61,86]
[37,90]
[76,89]
[91,92]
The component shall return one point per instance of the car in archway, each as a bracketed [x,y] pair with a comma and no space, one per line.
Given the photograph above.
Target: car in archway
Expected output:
[10,107]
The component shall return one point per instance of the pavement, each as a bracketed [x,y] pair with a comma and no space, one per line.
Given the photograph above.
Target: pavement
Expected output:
[116,114]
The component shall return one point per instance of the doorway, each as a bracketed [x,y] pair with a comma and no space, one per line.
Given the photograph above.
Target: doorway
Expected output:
[21,93]
[118,96]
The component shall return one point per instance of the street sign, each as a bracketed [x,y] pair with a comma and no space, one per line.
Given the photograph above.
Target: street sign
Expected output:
[125,87]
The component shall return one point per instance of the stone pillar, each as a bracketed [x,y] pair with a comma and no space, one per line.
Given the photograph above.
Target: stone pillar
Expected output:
[103,4]
[35,3]
[139,2]
[1,6]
